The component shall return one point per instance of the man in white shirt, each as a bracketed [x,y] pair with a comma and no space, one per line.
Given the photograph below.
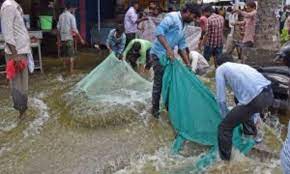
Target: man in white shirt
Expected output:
[131,21]
[67,28]
[17,49]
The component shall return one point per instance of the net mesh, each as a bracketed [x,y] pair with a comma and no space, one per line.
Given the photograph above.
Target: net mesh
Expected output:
[112,93]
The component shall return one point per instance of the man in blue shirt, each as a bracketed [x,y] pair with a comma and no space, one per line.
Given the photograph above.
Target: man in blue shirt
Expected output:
[170,34]
[116,41]
[253,92]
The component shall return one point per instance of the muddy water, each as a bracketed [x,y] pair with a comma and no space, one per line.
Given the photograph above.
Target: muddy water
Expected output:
[48,141]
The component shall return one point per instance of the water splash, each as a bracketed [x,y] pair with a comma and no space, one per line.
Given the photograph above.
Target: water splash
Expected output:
[161,161]
[43,116]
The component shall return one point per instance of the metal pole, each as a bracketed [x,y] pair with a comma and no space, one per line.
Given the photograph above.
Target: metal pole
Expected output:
[99,15]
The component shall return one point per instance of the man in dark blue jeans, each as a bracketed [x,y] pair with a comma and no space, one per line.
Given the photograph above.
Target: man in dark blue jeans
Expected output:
[169,35]
[213,38]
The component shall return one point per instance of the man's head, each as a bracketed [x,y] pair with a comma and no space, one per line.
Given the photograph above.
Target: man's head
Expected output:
[156,11]
[224,58]
[230,9]
[207,10]
[136,47]
[69,7]
[119,30]
[190,12]
[135,4]
[251,6]
[134,54]
[152,5]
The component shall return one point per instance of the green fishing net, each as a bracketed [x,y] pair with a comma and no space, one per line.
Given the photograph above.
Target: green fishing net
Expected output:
[194,112]
[112,93]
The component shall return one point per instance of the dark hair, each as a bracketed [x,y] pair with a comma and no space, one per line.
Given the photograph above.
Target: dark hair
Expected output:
[68,5]
[136,46]
[192,8]
[251,4]
[152,2]
[224,58]
[134,2]
[120,28]
[230,9]
[207,8]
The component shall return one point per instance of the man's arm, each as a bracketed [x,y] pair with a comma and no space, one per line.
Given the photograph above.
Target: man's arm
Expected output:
[184,54]
[134,18]
[165,44]
[205,37]
[58,37]
[248,14]
[185,58]
[128,48]
[161,30]
[122,46]
[7,18]
[75,29]
[109,40]
[221,92]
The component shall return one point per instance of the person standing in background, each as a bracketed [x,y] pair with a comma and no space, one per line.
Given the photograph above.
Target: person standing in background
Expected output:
[250,18]
[149,10]
[17,50]
[203,25]
[131,21]
[148,27]
[213,38]
[67,28]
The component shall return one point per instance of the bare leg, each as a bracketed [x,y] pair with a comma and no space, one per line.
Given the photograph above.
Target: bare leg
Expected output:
[71,65]
[22,115]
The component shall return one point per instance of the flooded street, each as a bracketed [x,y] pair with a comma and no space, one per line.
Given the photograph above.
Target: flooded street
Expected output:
[51,141]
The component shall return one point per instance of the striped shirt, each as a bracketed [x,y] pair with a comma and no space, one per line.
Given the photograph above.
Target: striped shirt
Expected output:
[215,31]
[285,154]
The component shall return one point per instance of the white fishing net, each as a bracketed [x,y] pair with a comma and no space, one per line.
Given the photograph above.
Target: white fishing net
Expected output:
[112,93]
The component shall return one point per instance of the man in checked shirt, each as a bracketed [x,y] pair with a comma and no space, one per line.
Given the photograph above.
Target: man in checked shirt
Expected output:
[213,38]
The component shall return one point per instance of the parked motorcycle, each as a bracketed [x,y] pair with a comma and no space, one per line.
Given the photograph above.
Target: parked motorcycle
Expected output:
[280,76]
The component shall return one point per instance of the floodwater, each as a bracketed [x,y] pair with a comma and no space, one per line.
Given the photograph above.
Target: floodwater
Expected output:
[49,141]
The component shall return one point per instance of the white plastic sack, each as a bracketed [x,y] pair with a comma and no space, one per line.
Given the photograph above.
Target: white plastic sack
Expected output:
[31,64]
[199,63]
[192,35]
